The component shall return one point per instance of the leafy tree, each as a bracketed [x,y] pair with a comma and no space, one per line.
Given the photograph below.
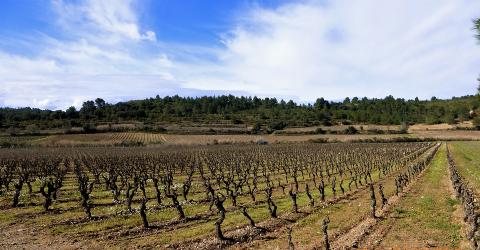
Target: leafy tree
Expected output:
[100,103]
[320,103]
[71,113]
[88,110]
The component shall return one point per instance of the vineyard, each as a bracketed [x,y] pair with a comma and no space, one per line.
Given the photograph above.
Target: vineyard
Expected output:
[336,195]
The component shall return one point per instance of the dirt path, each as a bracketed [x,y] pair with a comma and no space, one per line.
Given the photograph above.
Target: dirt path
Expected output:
[425,217]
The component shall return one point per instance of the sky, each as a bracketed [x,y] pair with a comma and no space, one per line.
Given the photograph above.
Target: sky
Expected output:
[59,53]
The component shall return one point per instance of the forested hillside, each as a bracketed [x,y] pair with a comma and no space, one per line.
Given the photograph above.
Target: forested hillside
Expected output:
[248,110]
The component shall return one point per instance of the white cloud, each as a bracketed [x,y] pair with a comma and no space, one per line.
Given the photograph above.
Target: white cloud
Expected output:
[353,48]
[299,50]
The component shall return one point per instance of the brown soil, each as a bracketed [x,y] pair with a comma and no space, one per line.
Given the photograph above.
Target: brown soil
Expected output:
[21,236]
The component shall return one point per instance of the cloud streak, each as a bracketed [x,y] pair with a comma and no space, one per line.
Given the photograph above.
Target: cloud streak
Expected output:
[111,18]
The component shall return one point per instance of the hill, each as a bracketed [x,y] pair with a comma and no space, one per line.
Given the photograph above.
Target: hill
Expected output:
[230,113]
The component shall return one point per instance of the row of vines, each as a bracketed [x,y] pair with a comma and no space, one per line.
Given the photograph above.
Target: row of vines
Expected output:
[467,197]
[223,178]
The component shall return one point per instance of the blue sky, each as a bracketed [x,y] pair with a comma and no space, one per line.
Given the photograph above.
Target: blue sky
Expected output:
[59,53]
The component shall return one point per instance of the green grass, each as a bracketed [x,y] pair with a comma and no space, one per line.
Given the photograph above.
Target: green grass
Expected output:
[428,206]
[467,158]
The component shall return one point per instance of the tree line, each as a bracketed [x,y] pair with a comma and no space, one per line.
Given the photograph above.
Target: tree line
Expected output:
[249,110]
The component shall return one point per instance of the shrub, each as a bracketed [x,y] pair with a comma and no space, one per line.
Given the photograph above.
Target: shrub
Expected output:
[130,144]
[277,125]
[326,122]
[375,131]
[237,121]
[476,122]
[89,128]
[320,131]
[256,128]
[351,130]
[211,131]
[319,140]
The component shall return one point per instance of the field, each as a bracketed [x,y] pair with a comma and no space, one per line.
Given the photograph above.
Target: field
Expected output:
[241,196]
[139,138]
[198,135]
[154,139]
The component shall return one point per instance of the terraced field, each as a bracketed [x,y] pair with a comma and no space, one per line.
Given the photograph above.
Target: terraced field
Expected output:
[153,139]
[132,138]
